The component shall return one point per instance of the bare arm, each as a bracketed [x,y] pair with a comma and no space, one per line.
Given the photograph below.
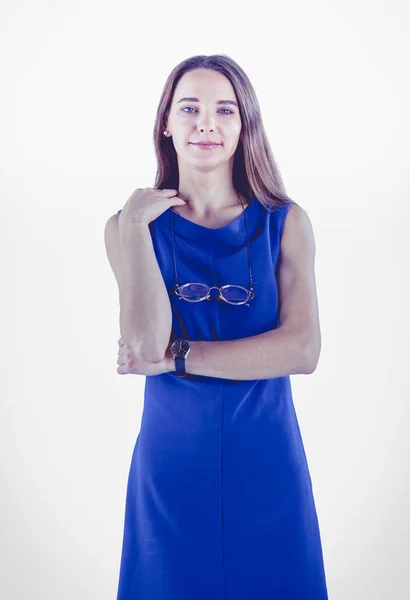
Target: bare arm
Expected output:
[274,353]
[145,309]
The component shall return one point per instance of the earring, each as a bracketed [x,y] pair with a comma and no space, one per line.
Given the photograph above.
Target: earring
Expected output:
[165,132]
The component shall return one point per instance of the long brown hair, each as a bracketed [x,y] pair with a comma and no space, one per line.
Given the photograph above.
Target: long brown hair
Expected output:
[255,172]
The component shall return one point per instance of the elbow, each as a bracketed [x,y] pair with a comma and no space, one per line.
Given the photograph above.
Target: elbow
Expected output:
[310,358]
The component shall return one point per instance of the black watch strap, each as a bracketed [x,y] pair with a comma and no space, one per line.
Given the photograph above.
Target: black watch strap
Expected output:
[180,367]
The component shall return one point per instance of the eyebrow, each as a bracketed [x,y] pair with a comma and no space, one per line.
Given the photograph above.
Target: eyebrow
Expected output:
[217,102]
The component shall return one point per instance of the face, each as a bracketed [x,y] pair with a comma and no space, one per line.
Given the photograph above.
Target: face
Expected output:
[196,115]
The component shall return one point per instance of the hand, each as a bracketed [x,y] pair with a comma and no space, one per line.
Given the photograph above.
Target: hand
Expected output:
[130,365]
[146,204]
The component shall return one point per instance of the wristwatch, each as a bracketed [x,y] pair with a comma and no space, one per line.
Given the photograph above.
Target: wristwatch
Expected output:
[180,349]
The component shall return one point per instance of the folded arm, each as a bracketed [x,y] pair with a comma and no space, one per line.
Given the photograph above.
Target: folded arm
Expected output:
[292,348]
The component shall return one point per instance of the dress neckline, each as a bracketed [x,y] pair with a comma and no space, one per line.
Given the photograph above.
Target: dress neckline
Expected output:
[214,228]
[235,231]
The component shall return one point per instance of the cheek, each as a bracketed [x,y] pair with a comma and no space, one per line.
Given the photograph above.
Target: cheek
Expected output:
[233,130]
[233,125]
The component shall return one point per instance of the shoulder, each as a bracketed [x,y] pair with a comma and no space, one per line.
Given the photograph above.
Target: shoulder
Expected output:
[112,219]
[111,233]
[297,236]
[112,224]
[297,214]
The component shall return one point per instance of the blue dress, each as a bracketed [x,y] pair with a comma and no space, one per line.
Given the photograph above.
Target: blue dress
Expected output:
[219,502]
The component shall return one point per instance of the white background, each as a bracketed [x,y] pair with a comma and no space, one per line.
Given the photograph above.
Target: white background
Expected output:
[80,83]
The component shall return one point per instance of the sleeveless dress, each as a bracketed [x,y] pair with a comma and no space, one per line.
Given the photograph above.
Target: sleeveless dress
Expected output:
[219,502]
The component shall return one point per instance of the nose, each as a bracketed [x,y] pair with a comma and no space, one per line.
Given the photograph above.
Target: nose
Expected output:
[202,129]
[205,123]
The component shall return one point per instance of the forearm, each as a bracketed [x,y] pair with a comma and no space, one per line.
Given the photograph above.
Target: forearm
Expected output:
[145,310]
[274,353]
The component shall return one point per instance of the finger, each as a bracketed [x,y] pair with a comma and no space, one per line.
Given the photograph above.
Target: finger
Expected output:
[123,369]
[169,192]
[122,356]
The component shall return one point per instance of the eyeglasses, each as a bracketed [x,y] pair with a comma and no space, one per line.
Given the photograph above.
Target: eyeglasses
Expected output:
[197,292]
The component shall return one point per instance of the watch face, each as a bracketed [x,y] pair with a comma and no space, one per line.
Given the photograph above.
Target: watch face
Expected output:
[180,348]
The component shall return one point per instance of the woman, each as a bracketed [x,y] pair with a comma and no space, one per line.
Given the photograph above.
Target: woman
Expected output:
[215,267]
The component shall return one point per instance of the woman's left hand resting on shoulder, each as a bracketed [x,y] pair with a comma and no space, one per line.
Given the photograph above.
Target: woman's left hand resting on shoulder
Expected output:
[128,364]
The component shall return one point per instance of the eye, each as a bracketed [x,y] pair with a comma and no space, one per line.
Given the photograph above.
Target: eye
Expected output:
[230,112]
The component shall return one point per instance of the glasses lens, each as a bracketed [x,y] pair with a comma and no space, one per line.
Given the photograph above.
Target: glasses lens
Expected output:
[194,291]
[234,293]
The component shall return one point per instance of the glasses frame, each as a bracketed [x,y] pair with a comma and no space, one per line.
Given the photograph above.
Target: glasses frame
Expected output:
[177,288]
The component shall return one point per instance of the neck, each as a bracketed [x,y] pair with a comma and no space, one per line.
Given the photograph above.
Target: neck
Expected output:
[207,193]
[205,203]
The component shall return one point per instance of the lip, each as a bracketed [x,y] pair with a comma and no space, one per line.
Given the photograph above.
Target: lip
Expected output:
[206,146]
[206,143]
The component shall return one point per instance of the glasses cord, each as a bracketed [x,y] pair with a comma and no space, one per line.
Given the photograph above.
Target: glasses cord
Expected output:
[251,282]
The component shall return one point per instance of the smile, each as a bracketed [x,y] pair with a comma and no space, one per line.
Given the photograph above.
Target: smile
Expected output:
[206,146]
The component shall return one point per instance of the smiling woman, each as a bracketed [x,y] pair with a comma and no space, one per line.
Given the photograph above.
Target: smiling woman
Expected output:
[219,500]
